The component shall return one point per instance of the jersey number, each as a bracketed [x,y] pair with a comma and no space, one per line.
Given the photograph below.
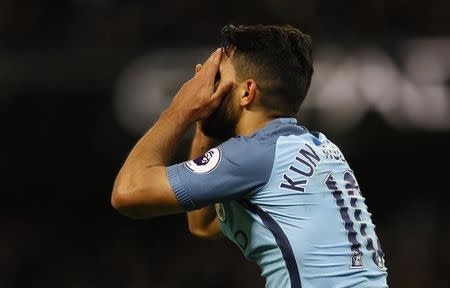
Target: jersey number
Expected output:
[352,190]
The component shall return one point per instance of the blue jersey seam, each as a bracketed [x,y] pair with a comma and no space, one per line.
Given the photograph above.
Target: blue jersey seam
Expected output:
[271,170]
[282,241]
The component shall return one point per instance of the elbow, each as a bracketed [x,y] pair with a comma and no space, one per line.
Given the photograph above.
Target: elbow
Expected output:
[118,202]
[124,202]
[199,233]
[202,233]
[125,206]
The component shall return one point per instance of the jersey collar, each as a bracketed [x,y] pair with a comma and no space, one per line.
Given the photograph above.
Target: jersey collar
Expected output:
[281,120]
[275,123]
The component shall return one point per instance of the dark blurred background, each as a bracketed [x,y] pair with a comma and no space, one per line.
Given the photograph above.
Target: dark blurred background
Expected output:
[82,80]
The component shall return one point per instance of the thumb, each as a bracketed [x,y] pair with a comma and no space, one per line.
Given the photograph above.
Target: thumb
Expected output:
[223,89]
[197,68]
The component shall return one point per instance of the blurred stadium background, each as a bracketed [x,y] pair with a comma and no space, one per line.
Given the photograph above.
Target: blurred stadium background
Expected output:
[81,80]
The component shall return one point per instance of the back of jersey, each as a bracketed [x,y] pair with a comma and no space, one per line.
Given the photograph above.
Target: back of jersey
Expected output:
[314,197]
[289,200]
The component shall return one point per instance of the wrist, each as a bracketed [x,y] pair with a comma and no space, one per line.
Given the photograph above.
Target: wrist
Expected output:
[180,117]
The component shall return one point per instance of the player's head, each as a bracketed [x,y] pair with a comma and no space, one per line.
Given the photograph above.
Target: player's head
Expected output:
[271,67]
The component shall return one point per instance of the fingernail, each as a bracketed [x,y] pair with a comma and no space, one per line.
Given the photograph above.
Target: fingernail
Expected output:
[219,50]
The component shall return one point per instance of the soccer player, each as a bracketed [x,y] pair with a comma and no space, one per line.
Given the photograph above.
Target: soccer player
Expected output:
[286,196]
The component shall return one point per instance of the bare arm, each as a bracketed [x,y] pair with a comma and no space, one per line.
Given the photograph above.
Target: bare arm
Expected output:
[203,222]
[141,188]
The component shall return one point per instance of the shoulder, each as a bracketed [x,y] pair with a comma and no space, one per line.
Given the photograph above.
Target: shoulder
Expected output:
[249,151]
[263,140]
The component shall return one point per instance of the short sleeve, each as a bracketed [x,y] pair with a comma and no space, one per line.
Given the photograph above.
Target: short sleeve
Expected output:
[232,170]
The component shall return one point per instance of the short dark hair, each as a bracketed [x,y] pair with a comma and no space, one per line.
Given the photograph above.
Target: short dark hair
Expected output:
[279,58]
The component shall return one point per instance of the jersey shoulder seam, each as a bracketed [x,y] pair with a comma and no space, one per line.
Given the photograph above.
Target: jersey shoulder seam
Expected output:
[271,170]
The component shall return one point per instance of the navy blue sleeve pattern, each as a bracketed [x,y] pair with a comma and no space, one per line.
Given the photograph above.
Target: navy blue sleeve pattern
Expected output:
[237,167]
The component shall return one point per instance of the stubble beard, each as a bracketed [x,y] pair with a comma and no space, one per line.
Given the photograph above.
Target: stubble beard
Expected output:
[221,124]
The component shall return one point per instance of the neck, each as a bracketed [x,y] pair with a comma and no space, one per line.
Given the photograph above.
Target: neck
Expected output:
[252,121]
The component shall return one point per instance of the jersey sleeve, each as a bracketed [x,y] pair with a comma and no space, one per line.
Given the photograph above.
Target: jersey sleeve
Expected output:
[235,168]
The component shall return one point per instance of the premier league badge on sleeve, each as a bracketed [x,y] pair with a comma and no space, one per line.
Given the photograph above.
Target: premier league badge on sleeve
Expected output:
[205,163]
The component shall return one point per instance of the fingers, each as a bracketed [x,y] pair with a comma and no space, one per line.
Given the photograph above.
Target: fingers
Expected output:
[210,67]
[223,89]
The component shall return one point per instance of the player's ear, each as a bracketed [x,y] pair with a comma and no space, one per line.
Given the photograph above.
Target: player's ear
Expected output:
[249,92]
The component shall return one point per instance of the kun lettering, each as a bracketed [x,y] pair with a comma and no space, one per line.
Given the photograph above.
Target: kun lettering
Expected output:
[307,161]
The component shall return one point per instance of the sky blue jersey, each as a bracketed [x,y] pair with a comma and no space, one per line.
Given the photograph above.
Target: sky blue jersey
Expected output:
[288,198]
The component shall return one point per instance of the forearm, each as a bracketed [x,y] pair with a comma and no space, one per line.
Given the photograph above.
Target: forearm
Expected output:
[142,187]
[202,221]
[156,147]
[138,189]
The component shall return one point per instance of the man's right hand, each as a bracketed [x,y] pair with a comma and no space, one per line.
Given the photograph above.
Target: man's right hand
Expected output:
[201,143]
[199,97]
